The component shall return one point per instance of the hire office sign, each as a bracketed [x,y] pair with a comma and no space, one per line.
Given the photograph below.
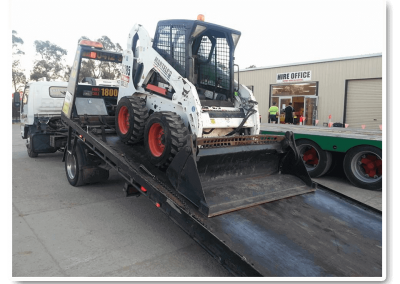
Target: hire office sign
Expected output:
[290,77]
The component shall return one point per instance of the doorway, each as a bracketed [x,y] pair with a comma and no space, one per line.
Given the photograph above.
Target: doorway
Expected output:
[304,106]
[304,99]
[310,110]
[283,103]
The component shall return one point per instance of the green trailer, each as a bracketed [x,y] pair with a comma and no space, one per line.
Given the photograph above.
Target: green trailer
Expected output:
[358,151]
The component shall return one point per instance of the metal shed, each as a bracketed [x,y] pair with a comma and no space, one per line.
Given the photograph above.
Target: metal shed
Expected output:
[347,89]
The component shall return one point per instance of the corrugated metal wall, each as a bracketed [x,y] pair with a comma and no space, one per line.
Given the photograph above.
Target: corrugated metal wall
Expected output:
[364,103]
[331,77]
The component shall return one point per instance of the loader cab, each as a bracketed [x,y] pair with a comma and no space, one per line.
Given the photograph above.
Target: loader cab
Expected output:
[201,52]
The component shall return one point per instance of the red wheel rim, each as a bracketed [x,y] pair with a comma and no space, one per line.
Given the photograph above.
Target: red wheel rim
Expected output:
[372,165]
[310,157]
[123,119]
[156,140]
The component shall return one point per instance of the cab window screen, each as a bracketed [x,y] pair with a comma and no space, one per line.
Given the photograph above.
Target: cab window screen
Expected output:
[57,92]
[170,42]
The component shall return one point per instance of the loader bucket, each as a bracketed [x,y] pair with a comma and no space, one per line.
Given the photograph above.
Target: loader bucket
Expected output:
[227,174]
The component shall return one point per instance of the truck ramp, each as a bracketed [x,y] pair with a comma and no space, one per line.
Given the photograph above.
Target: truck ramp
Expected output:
[317,235]
[321,234]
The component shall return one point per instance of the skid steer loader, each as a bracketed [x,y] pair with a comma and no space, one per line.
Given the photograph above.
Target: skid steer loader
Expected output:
[178,94]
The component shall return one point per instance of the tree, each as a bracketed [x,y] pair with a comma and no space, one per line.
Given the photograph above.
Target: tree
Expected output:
[51,62]
[18,76]
[101,69]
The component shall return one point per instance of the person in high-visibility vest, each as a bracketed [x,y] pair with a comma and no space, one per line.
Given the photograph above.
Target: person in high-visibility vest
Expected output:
[273,112]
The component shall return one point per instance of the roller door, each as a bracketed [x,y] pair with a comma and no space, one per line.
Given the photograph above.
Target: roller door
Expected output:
[364,103]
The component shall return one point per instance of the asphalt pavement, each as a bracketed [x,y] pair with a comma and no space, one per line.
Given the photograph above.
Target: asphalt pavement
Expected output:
[94,230]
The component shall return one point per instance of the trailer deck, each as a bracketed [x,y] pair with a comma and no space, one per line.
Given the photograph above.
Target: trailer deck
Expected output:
[353,133]
[315,234]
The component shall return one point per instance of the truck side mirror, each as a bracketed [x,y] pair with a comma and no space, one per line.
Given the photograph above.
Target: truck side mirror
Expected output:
[17,99]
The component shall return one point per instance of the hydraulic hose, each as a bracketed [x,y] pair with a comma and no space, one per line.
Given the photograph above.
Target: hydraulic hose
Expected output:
[251,112]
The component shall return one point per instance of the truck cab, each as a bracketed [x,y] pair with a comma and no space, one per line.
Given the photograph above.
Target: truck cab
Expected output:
[40,116]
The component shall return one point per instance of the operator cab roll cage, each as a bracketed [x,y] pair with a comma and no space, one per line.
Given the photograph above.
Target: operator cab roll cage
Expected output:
[200,51]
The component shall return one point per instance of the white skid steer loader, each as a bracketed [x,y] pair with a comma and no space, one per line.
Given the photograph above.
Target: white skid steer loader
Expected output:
[178,94]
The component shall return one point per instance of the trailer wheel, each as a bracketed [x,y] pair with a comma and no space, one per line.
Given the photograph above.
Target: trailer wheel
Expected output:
[164,136]
[130,118]
[363,167]
[316,160]
[29,148]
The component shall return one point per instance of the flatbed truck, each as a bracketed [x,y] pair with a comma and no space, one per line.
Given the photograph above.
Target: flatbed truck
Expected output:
[312,235]
[357,151]
[317,234]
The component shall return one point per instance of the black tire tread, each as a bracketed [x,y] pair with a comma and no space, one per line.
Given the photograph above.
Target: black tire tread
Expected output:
[141,114]
[31,153]
[178,132]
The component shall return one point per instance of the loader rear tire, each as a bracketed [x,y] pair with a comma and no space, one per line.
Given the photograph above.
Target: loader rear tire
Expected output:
[320,160]
[130,118]
[164,136]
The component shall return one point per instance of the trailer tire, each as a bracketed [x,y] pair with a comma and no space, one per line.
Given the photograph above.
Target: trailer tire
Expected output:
[29,148]
[164,136]
[130,118]
[358,172]
[321,161]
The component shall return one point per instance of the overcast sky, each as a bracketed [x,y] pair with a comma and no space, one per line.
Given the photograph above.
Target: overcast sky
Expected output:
[273,32]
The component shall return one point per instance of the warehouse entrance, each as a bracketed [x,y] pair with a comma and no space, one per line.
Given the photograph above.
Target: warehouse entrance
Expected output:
[303,97]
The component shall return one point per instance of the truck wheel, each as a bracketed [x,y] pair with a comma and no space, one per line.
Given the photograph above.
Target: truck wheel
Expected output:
[73,165]
[130,118]
[316,160]
[363,167]
[81,168]
[164,136]
[29,148]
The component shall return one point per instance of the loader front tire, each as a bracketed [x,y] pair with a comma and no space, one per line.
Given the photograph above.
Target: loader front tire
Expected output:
[164,136]
[130,118]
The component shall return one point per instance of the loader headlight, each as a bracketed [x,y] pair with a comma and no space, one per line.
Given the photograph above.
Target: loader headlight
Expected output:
[235,38]
[199,29]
